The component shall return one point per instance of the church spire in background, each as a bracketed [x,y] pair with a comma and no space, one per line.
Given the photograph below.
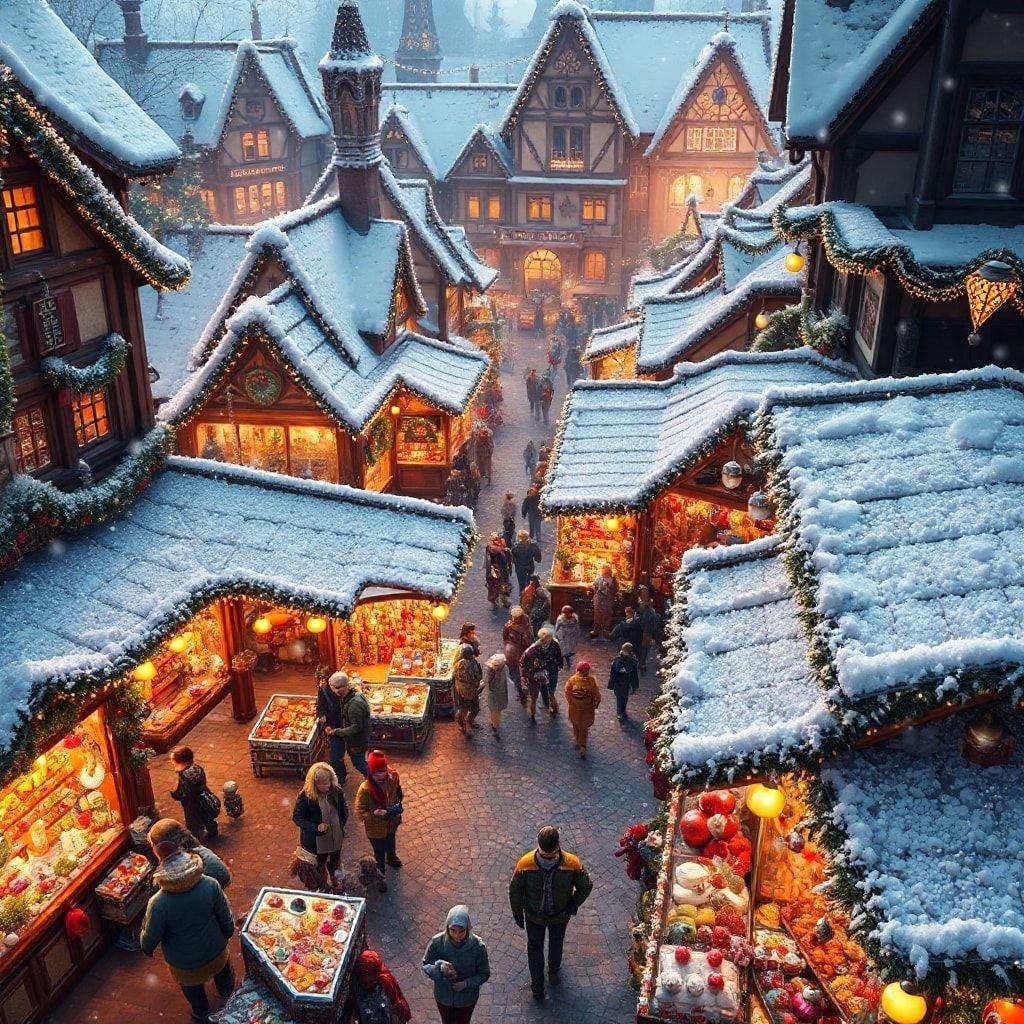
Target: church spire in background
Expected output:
[418,58]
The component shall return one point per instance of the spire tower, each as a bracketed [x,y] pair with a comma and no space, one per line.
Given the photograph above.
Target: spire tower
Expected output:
[418,57]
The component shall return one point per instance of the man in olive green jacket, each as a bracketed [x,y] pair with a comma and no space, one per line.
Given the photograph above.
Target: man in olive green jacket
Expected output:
[548,886]
[355,720]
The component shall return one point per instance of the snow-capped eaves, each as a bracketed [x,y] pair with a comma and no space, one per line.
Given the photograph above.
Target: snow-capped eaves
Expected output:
[612,338]
[492,142]
[400,115]
[201,531]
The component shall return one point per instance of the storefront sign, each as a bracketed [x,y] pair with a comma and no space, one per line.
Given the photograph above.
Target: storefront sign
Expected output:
[531,237]
[255,172]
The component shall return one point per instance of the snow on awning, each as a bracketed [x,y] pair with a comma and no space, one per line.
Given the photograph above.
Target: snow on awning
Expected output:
[926,848]
[621,442]
[613,338]
[102,601]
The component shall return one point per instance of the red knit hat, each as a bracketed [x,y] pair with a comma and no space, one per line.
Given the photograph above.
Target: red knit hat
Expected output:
[376,761]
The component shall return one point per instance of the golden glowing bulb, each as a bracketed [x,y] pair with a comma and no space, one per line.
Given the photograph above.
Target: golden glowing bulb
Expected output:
[179,642]
[901,1006]
[611,524]
[440,612]
[395,410]
[795,262]
[262,625]
[765,801]
[145,671]
[761,321]
[315,624]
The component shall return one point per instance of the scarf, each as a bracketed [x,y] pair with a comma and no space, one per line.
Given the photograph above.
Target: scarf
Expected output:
[380,797]
[547,870]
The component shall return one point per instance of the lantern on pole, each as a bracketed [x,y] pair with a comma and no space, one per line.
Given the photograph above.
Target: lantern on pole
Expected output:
[989,287]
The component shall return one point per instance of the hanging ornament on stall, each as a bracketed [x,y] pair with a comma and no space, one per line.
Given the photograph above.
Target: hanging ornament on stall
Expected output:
[987,741]
[759,508]
[76,923]
[795,841]
[902,1005]
[795,261]
[823,931]
[1003,1011]
[732,475]
[992,285]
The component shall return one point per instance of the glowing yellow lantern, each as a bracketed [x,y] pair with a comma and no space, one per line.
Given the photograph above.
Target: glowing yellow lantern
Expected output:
[440,612]
[262,625]
[179,642]
[902,1006]
[395,409]
[761,320]
[611,524]
[765,801]
[991,285]
[145,672]
[315,624]
[795,262]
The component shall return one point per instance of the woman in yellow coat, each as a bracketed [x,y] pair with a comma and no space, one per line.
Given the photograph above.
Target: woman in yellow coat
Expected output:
[583,699]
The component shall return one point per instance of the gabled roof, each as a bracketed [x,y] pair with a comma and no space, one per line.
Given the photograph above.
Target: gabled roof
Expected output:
[438,117]
[61,76]
[200,531]
[214,69]
[491,141]
[612,338]
[722,47]
[445,374]
[837,52]
[400,116]
[347,278]
[622,442]
[675,278]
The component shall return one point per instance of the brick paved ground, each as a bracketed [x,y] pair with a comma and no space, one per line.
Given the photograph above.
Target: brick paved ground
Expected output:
[471,809]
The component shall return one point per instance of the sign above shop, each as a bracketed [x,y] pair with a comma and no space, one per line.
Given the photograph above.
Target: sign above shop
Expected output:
[255,172]
[532,236]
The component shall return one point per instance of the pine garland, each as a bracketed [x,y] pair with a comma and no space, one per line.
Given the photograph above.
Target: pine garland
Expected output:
[6,376]
[61,374]
[800,325]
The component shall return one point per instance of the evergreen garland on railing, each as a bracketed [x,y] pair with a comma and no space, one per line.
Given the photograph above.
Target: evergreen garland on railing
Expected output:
[799,325]
[60,374]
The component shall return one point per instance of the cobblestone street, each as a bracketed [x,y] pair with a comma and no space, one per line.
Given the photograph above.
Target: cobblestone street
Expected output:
[472,807]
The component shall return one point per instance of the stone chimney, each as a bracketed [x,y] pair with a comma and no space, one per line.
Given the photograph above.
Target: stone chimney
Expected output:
[135,40]
[418,57]
[351,74]
[474,74]
[255,25]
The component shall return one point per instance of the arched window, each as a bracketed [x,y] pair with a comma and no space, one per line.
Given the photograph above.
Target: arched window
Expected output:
[683,186]
[248,146]
[735,186]
[542,269]
[561,96]
[576,97]
[595,265]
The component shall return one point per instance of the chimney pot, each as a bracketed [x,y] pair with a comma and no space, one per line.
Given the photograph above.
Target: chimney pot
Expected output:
[474,74]
[135,40]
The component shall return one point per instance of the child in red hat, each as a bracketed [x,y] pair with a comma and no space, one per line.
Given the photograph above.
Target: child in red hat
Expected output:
[378,805]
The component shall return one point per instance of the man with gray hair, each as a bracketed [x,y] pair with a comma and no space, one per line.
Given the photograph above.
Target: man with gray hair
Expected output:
[330,710]
[538,669]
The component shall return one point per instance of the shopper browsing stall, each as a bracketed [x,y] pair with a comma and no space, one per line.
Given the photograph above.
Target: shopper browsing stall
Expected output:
[379,806]
[376,992]
[331,717]
[354,730]
[167,830]
[200,805]
[456,962]
[320,813]
[468,681]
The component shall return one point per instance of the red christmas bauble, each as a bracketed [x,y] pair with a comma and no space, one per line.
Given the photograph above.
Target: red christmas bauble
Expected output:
[1003,1011]
[682,954]
[76,923]
[714,957]
[718,801]
[715,981]
[693,827]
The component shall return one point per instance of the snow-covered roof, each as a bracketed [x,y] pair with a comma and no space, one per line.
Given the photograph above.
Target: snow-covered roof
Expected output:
[766,181]
[214,69]
[612,338]
[741,693]
[837,50]
[445,374]
[621,442]
[675,324]
[203,530]
[640,55]
[174,321]
[440,117]
[676,277]
[62,77]
[932,845]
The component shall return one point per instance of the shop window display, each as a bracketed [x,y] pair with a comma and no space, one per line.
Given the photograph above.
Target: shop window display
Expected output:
[55,820]
[263,447]
[377,630]
[314,453]
[218,441]
[286,641]
[420,440]
[585,542]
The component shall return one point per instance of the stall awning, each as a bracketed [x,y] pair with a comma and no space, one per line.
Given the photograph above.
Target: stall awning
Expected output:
[621,442]
[101,602]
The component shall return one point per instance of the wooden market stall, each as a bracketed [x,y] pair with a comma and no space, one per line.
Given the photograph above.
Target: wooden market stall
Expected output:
[642,471]
[857,798]
[102,644]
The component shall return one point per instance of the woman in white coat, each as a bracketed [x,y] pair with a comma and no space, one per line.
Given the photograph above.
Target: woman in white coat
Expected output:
[495,682]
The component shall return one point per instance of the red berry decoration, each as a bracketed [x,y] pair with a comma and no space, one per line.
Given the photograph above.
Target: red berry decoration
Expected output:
[721,937]
[716,982]
[682,954]
[717,848]
[714,957]
[693,827]
[723,826]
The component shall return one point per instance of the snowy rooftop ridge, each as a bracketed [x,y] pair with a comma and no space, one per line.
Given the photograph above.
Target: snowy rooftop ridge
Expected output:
[622,442]
[613,338]
[203,530]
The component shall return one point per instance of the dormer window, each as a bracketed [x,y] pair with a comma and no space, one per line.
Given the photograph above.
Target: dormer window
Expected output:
[561,100]
[990,137]
[479,161]
[191,99]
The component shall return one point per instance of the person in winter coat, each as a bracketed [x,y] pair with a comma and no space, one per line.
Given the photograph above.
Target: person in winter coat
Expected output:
[547,394]
[530,457]
[630,630]
[468,676]
[540,604]
[568,633]
[525,555]
[605,589]
[455,489]
[455,960]
[467,635]
[508,519]
[167,830]
[189,917]
[533,392]
[652,624]
[498,570]
[379,807]
[624,678]
[376,992]
[516,636]
[320,814]
[496,684]
[474,483]
[189,792]
[538,668]
[484,451]
[582,699]
[526,598]
[331,716]
[548,886]
[355,720]
[531,512]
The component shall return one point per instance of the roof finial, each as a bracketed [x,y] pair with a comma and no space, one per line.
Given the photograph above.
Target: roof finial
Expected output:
[725,21]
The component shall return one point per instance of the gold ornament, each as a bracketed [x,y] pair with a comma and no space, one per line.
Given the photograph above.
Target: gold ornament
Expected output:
[989,287]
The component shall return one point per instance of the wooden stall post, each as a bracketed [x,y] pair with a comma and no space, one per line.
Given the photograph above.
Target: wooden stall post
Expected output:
[243,696]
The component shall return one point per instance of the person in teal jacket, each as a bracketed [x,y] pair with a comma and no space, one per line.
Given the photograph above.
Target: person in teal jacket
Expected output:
[190,918]
[456,962]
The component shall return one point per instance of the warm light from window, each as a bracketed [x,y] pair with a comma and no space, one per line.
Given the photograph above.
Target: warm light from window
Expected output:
[21,215]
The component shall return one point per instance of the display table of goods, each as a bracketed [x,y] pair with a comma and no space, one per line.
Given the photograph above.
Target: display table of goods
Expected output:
[302,946]
[287,735]
[179,707]
[401,714]
[699,947]
[416,665]
[252,1003]
[56,821]
[125,889]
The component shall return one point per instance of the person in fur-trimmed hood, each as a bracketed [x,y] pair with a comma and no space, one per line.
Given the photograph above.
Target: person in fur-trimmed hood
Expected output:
[456,962]
[190,918]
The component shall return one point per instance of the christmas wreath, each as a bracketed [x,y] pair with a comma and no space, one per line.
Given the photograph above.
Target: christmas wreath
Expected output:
[379,441]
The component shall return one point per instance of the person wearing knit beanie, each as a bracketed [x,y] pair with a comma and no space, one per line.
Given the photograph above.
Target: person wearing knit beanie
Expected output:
[378,805]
